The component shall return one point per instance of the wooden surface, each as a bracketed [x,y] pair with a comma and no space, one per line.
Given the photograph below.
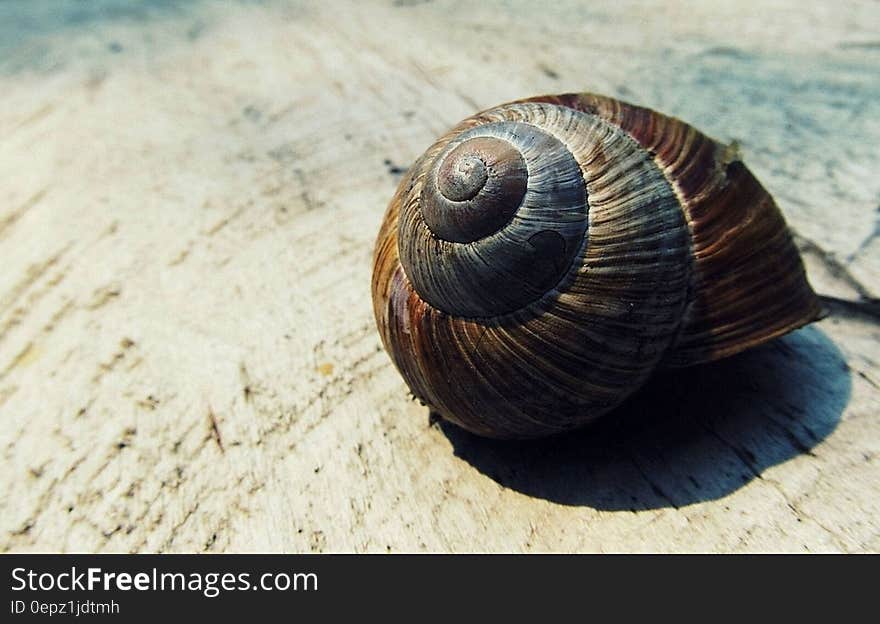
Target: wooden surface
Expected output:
[189,195]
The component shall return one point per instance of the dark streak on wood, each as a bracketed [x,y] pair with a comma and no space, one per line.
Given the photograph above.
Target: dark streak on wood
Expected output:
[215,430]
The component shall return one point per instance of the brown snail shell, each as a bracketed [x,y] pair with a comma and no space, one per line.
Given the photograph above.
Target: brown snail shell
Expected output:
[545,256]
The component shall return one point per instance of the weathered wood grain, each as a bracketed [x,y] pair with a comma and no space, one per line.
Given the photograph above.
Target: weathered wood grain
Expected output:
[189,196]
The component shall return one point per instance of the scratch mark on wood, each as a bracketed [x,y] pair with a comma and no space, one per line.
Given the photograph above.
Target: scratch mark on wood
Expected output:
[215,430]
[27,355]
[37,115]
[180,257]
[837,268]
[7,392]
[32,275]
[9,220]
[107,367]
[103,295]
[222,223]
[247,387]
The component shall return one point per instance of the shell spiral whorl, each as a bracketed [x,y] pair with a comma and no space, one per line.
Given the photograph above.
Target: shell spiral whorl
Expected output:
[479,238]
[540,260]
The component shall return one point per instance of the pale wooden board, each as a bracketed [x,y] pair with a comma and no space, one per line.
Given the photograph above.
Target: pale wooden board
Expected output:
[189,195]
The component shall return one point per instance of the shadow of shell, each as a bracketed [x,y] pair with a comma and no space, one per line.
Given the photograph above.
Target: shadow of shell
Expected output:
[688,436]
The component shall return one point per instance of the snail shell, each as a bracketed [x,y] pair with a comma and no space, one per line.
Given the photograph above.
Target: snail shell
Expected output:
[545,256]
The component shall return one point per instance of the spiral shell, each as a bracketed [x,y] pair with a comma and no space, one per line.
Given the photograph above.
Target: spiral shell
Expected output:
[544,257]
